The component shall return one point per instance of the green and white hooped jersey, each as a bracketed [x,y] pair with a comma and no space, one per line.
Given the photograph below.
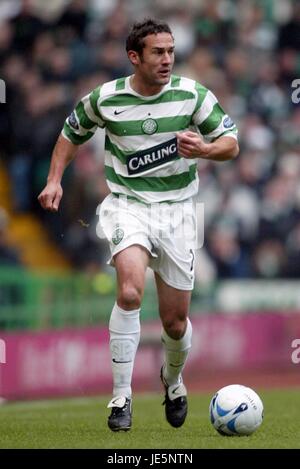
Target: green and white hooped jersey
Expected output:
[141,157]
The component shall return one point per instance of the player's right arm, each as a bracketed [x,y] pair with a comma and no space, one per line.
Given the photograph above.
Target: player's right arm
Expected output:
[63,153]
[79,127]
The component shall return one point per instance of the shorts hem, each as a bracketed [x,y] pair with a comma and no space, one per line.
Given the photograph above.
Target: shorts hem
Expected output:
[138,243]
[174,284]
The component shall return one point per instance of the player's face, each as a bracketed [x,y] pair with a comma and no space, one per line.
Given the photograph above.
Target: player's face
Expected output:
[156,62]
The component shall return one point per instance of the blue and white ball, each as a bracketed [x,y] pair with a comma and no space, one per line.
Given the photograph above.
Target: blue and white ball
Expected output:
[236,410]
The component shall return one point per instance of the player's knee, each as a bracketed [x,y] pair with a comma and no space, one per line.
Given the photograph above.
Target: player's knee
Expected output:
[130,297]
[175,327]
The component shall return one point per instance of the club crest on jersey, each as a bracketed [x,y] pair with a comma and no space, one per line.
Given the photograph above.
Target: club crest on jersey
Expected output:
[149,126]
[72,121]
[151,157]
[117,236]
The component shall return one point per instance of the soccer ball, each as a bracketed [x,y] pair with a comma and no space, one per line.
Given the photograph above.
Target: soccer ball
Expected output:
[236,410]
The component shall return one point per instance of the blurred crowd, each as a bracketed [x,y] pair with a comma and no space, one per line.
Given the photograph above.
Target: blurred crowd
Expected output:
[246,51]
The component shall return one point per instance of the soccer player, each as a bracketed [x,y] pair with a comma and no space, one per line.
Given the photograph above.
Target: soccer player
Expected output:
[157,125]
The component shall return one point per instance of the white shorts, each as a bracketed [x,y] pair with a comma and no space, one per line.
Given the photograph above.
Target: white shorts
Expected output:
[166,230]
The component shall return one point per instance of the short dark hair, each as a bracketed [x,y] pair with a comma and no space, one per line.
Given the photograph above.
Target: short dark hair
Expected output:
[142,29]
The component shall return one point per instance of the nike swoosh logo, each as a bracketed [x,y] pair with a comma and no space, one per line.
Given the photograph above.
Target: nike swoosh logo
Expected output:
[174,390]
[116,113]
[117,361]
[118,401]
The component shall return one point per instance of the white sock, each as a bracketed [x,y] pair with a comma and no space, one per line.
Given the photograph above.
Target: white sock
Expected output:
[176,352]
[124,328]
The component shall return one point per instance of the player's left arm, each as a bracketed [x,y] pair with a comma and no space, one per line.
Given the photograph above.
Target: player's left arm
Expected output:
[192,145]
[216,138]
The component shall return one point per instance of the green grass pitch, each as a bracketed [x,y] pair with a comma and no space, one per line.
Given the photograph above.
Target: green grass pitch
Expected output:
[81,423]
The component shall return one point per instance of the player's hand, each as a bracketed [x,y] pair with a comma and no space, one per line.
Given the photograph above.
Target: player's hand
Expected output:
[191,145]
[51,196]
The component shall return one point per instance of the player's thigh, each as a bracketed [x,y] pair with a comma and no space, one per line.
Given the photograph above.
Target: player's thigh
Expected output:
[173,303]
[131,264]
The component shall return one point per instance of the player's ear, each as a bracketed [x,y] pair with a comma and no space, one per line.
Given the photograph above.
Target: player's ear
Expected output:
[133,57]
